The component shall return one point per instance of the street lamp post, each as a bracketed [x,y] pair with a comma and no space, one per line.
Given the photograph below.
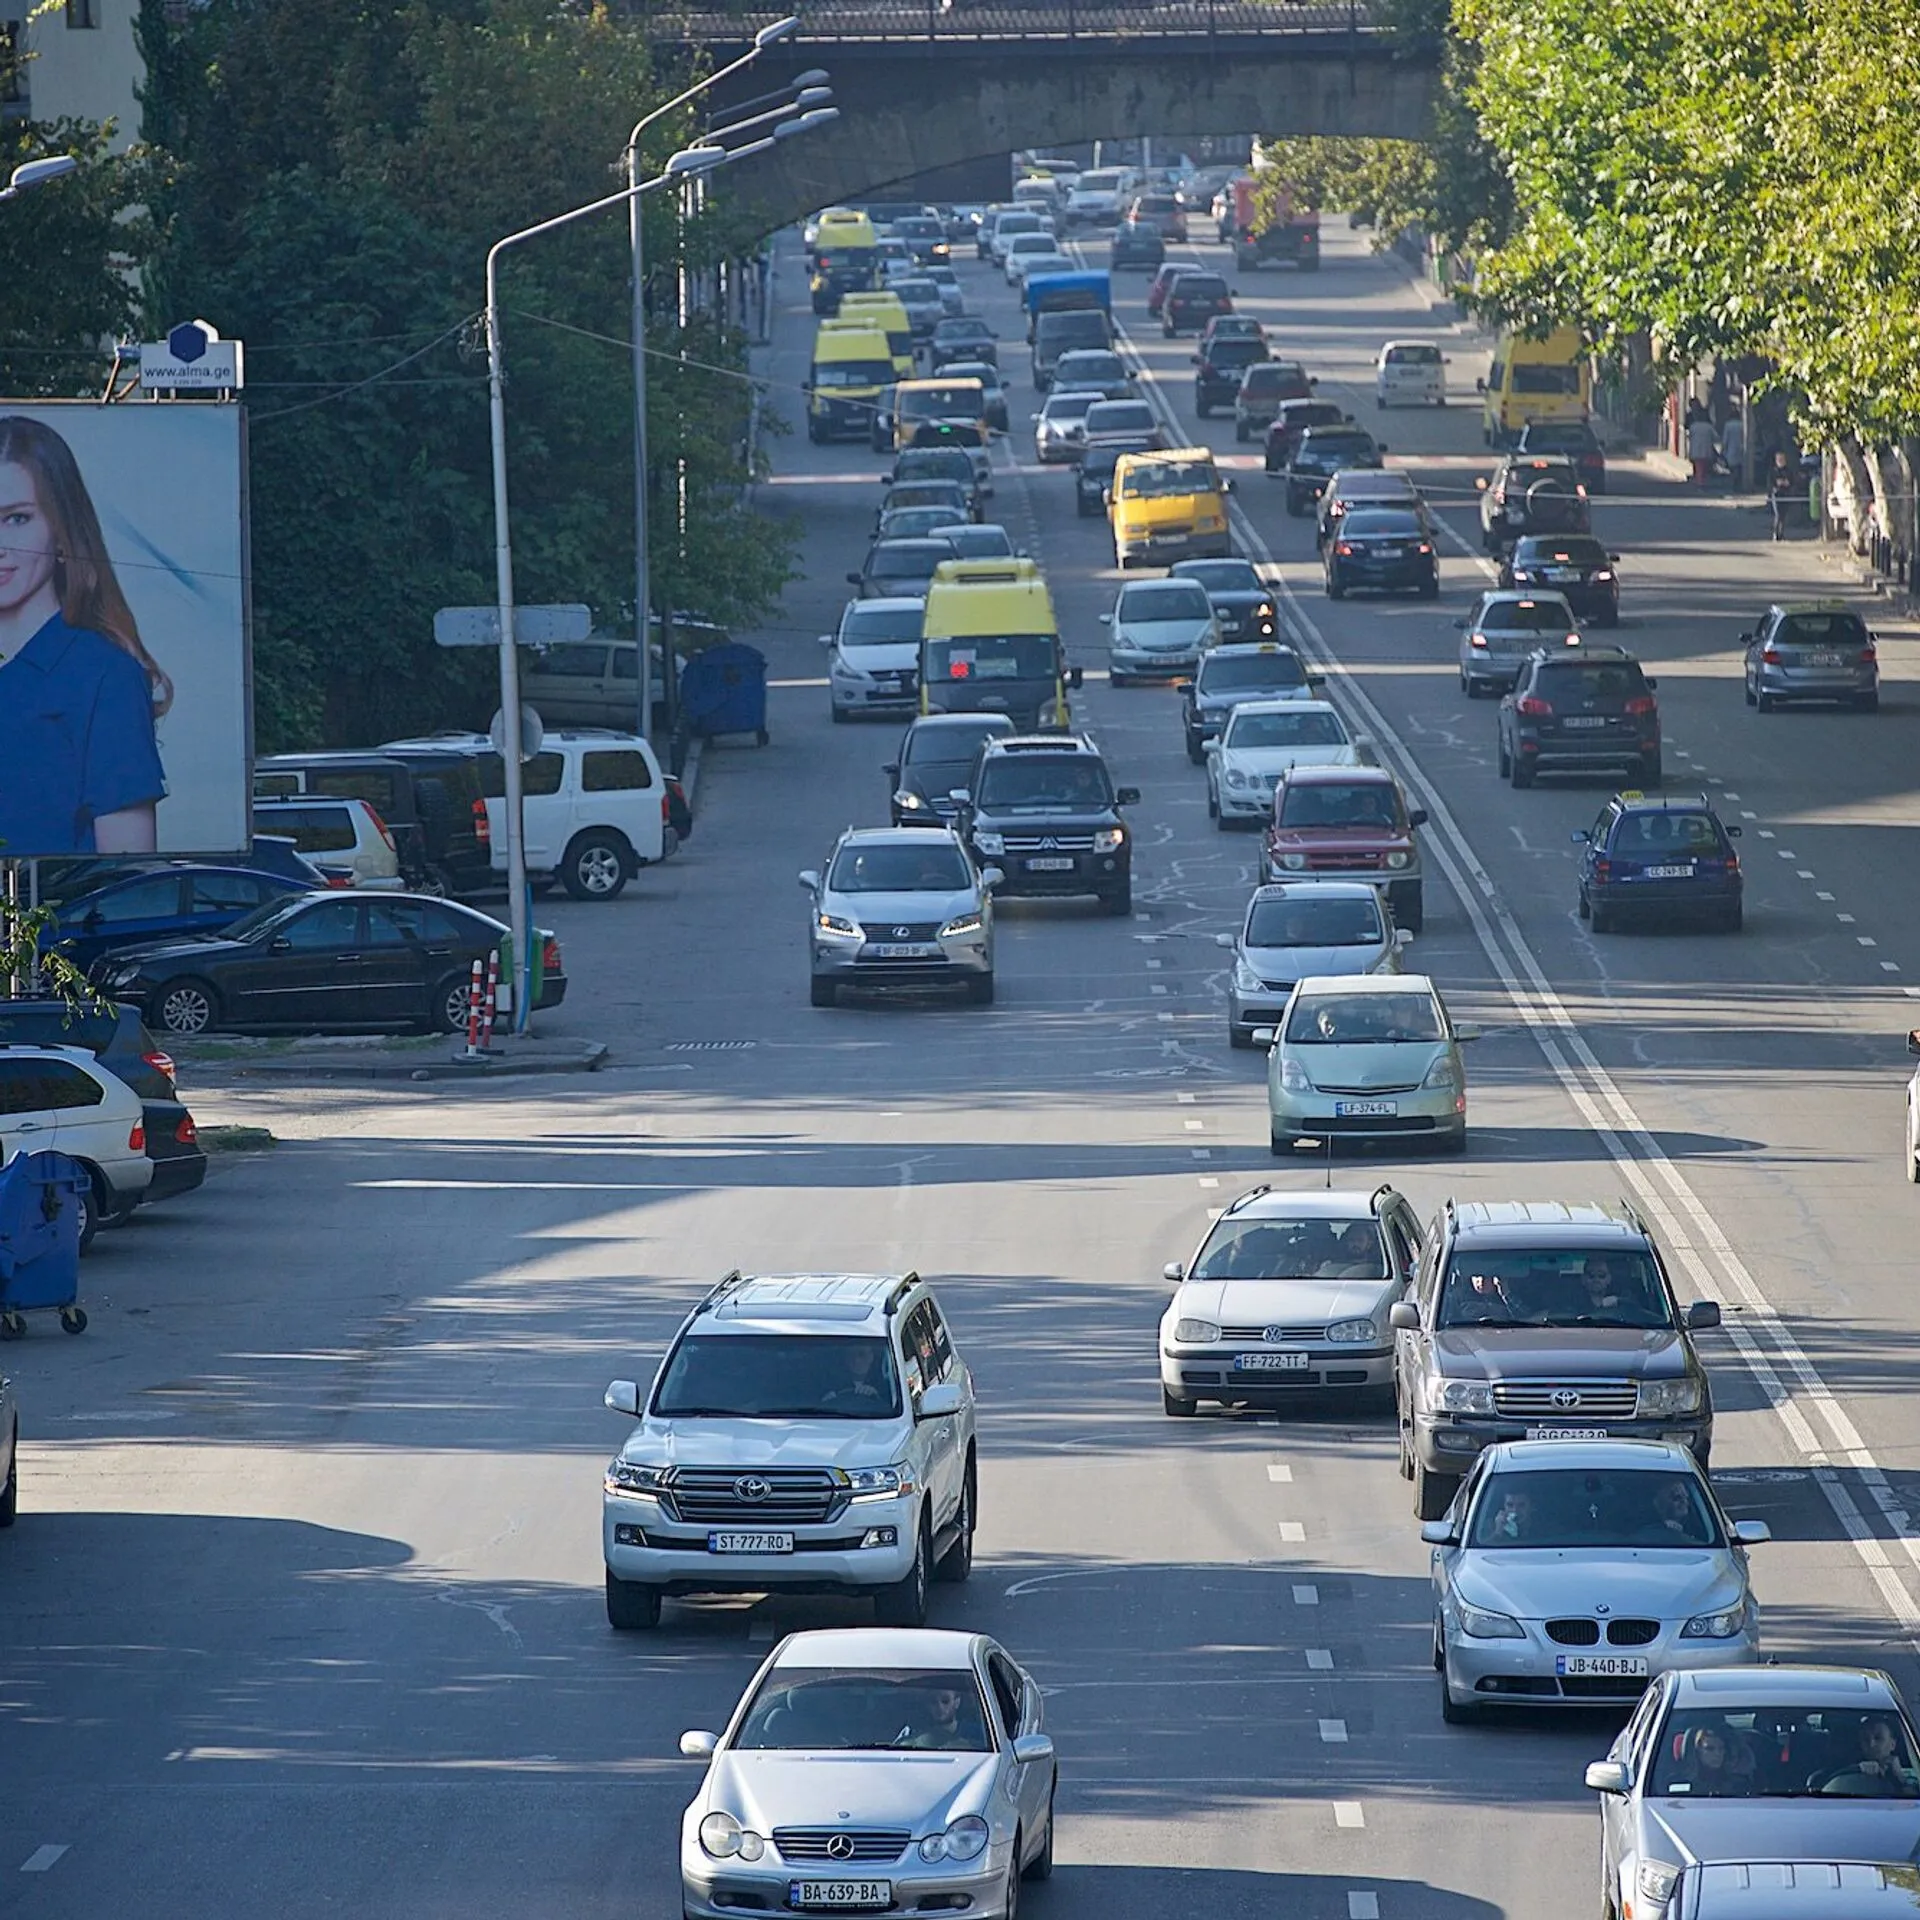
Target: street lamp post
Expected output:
[767,36]
[36,173]
[691,161]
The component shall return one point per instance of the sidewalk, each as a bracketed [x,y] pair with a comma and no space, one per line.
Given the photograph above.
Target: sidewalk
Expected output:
[231,1057]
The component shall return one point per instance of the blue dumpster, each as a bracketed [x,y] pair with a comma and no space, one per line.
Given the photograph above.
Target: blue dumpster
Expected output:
[723,689]
[41,1198]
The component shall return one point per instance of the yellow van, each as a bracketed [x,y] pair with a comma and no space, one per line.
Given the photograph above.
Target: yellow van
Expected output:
[845,257]
[1168,506]
[990,644]
[852,366]
[1548,377]
[917,402]
[891,317]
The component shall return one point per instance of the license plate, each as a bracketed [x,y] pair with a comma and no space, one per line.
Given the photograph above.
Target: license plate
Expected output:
[1051,863]
[1563,573]
[749,1543]
[1820,660]
[1366,1109]
[1566,1433]
[1585,720]
[1611,1666]
[1272,1362]
[1668,873]
[807,1894]
[904,953]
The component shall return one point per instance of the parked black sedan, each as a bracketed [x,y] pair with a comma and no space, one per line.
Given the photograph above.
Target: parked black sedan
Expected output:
[1574,565]
[322,962]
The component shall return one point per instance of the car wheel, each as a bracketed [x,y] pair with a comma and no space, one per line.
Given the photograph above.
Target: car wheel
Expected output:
[10,1493]
[1746,687]
[1405,1462]
[1012,1907]
[957,1562]
[1196,752]
[1733,919]
[1504,759]
[980,990]
[1452,1711]
[824,992]
[448,1006]
[1118,904]
[1335,591]
[1868,702]
[1430,589]
[1601,919]
[839,714]
[1519,771]
[1409,908]
[1213,804]
[184,1008]
[1764,701]
[595,867]
[1432,1492]
[632,1605]
[94,1206]
[1583,906]
[1913,1153]
[1175,1408]
[1280,1145]
[904,1604]
[1238,1037]
[1469,685]
[1651,777]
[1040,1867]
[1240,432]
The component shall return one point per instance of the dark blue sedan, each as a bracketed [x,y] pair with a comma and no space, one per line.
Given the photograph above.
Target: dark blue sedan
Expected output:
[1659,855]
[173,904]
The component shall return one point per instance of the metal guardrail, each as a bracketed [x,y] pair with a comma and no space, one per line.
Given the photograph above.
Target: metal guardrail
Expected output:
[958,22]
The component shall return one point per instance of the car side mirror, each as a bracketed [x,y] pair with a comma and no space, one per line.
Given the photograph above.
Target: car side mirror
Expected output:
[1223,940]
[1033,1749]
[1404,1317]
[698,1744]
[1733,833]
[1652,682]
[1174,1272]
[1460,626]
[1608,1776]
[960,796]
[1439,1533]
[939,1401]
[1467,1030]
[1316,679]
[1265,1036]
[1752,1533]
[991,877]
[1106,619]
[1076,677]
[1580,837]
[1402,937]
[1033,416]
[1703,1314]
[892,769]
[623,1396]
[826,639]
[1126,796]
[853,579]
[1380,446]
[1226,483]
[1417,817]
[810,880]
[1615,558]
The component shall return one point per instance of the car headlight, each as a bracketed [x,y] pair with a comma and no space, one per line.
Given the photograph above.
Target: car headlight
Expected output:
[875,1482]
[1109,839]
[722,1836]
[1716,1626]
[1293,862]
[623,1478]
[844,669]
[961,923]
[1398,860]
[1657,1881]
[966,1839]
[1293,1076]
[1199,1333]
[1235,778]
[1659,1398]
[993,843]
[1442,1073]
[1478,1623]
[1246,979]
[1264,611]
[909,802]
[1466,1396]
[1353,1333]
[836,927]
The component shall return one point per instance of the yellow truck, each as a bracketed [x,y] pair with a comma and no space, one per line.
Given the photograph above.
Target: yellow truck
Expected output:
[990,644]
[886,312]
[1543,377]
[852,368]
[845,258]
[1169,506]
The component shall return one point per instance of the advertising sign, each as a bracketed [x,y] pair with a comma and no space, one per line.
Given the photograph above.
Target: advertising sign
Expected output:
[125,718]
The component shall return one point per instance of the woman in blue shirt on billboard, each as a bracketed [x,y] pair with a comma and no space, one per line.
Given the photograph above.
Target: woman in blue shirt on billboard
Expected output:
[79,692]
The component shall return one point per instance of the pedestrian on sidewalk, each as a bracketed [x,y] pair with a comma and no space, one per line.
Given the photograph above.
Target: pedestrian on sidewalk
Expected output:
[1783,488]
[1733,450]
[1702,443]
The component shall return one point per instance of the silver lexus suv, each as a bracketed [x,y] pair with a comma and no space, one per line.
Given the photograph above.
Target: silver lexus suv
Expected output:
[806,1433]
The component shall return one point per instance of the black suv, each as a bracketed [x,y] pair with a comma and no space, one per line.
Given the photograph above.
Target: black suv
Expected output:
[1321,453]
[1217,368]
[1530,493]
[1572,440]
[1043,810]
[1193,300]
[963,336]
[1585,711]
[1573,565]
[1528,1319]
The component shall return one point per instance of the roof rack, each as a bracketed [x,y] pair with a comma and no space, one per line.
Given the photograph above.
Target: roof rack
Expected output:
[901,1288]
[1252,1193]
[731,1284]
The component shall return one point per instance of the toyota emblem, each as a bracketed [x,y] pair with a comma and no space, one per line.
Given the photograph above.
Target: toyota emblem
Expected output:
[1564,1397]
[840,1847]
[750,1486]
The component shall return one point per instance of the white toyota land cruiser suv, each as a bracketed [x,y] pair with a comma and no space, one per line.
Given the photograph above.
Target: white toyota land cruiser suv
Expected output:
[806,1433]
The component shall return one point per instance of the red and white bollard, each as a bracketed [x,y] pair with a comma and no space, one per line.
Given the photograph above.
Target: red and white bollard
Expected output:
[476,1003]
[490,1003]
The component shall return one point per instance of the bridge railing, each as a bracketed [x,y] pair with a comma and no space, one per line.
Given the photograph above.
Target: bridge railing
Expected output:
[962,21]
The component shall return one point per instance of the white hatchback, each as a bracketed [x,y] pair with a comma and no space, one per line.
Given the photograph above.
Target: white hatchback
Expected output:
[1410,373]
[61,1100]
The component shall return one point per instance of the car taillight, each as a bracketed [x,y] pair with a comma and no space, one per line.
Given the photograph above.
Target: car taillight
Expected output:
[381,827]
[1868,655]
[338,880]
[666,808]
[160,1062]
[1425,546]
[1771,656]
[1534,707]
[186,1134]
[1603,868]
[1640,703]
[550,956]
[1343,549]
[1733,863]
[1477,640]
[137,1139]
[482,827]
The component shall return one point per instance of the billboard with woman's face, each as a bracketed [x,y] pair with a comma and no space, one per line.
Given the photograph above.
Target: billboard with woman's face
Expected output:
[125,725]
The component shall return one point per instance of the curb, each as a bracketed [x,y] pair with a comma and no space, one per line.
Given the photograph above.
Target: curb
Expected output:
[584,1057]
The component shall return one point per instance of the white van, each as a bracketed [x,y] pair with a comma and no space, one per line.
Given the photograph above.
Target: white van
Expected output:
[335,832]
[594,807]
[1410,373]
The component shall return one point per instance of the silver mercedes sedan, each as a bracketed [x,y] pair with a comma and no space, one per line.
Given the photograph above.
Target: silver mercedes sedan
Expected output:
[1571,1571]
[869,1770]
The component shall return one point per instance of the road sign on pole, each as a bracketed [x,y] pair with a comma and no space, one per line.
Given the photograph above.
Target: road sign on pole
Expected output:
[532,626]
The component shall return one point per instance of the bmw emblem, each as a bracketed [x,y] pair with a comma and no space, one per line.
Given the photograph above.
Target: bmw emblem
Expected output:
[750,1486]
[1603,1609]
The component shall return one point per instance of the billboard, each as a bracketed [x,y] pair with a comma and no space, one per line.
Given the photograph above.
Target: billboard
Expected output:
[125,718]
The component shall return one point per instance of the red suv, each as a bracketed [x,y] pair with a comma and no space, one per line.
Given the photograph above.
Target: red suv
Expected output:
[1346,823]
[1192,300]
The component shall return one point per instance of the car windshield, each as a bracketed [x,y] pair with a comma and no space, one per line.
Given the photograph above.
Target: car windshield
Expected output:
[926,492]
[852,373]
[779,1376]
[1158,479]
[858,1709]
[931,868]
[1303,727]
[1593,681]
[1554,1287]
[962,329]
[1567,436]
[957,399]
[1659,835]
[1413,356]
[1234,351]
[1068,406]
[1120,416]
[1165,600]
[1370,804]
[1381,523]
[909,560]
[912,522]
[1536,376]
[1221,576]
[1536,552]
[866,625]
[947,745]
[981,543]
[1251,672]
[1821,630]
[1340,449]
[1012,656]
[1594,1507]
[934,463]
[1785,1752]
[1200,286]
[1525,616]
[1058,782]
[1364,1020]
[1084,364]
[1292,1250]
[1306,922]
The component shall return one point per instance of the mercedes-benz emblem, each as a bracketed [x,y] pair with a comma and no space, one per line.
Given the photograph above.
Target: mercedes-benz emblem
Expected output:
[1564,1397]
[840,1847]
[750,1486]
[903,933]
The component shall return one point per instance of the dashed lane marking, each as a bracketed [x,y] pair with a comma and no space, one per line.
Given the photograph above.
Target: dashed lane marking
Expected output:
[1293,1531]
[1363,1906]
[1279,1473]
[41,1859]
[1207,1180]
[1334,1732]
[1306,1595]
[1194,1126]
[1348,1813]
[1185,1099]
[1319,1659]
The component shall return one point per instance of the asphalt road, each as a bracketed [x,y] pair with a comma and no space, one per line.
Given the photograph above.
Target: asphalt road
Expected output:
[303,1614]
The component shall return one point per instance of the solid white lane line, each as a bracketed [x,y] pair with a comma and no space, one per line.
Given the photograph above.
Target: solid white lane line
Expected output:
[1279,1473]
[1293,1531]
[1333,1732]
[1348,1813]
[1822,896]
[41,1858]
[1306,1596]
[1319,1660]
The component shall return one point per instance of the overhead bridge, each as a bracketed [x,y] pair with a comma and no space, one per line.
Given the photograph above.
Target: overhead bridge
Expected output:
[923,86]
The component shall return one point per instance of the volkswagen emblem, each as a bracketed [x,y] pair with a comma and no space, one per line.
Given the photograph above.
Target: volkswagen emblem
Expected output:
[1564,1397]
[1273,1335]
[840,1847]
[750,1486]
[903,933]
